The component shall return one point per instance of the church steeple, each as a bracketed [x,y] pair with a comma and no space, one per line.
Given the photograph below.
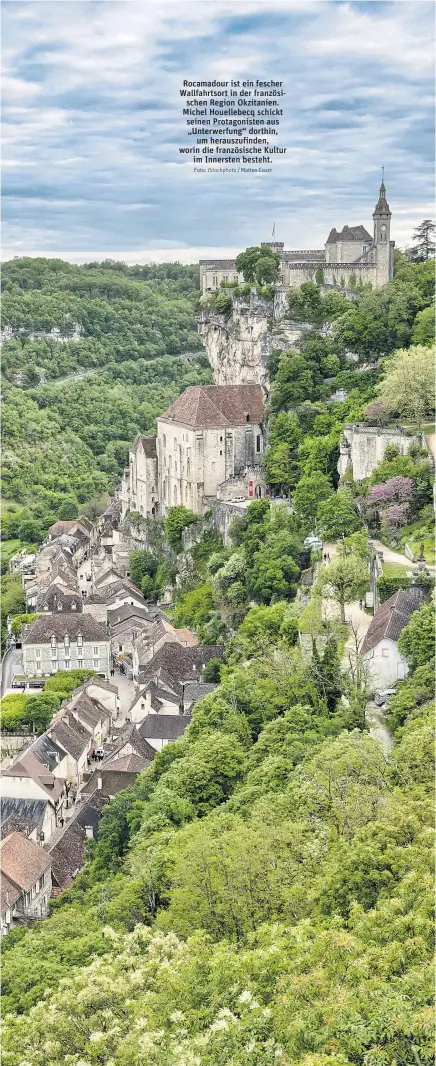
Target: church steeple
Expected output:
[382,217]
[382,206]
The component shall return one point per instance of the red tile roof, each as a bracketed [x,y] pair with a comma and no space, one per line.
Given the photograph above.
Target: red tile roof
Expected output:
[22,861]
[208,406]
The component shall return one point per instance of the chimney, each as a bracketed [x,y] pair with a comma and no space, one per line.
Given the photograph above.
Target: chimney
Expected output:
[89,832]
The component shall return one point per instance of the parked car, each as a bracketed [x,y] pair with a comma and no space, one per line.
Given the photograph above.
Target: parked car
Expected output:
[381,697]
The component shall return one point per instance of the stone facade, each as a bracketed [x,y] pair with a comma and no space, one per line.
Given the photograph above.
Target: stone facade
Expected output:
[197,454]
[211,437]
[350,253]
[362,448]
[82,645]
[139,485]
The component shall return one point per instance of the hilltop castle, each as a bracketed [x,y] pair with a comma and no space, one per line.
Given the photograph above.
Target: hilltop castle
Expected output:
[352,252]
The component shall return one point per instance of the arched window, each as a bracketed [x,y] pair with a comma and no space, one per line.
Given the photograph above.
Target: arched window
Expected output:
[175,493]
[247,417]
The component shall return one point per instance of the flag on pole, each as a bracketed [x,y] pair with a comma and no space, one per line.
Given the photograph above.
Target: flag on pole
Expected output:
[274,230]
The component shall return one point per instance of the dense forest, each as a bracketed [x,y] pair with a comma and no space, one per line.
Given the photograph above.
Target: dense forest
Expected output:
[72,407]
[263,893]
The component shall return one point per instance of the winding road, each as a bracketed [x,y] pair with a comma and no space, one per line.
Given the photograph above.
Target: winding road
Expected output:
[11,660]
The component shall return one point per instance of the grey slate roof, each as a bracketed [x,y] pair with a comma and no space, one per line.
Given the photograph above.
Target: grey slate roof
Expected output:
[71,736]
[179,663]
[148,444]
[193,691]
[28,811]
[164,726]
[46,751]
[29,766]
[130,735]
[349,233]
[62,625]
[392,616]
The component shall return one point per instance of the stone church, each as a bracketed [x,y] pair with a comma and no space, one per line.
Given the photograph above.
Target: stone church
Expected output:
[209,446]
[349,253]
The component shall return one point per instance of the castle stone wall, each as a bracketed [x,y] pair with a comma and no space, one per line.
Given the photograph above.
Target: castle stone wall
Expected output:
[362,448]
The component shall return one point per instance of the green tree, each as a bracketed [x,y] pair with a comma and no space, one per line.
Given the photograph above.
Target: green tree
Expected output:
[407,386]
[65,681]
[423,241]
[344,580]
[337,516]
[260,264]
[178,518]
[424,327]
[142,564]
[40,710]
[68,509]
[281,459]
[416,642]
[310,493]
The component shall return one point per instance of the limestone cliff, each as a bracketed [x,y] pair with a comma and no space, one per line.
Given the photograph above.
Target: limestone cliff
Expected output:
[238,344]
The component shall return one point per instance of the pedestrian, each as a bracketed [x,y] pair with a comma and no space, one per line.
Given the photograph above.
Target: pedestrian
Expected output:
[325,557]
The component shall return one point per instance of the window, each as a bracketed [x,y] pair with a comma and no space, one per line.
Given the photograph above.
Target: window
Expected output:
[175,493]
[53,641]
[164,440]
[385,653]
[95,651]
[54,653]
[247,418]
[221,440]
[258,443]
[67,641]
[59,606]
[54,667]
[37,653]
[221,452]
[225,277]
[120,647]
[80,664]
[214,279]
[67,664]
[79,640]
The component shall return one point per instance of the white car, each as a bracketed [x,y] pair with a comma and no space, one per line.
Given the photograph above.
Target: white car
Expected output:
[381,697]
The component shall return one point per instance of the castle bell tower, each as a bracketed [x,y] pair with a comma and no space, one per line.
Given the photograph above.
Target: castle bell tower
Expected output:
[382,233]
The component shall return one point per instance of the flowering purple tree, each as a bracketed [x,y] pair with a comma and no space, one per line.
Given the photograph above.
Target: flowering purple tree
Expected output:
[395,516]
[396,490]
[376,414]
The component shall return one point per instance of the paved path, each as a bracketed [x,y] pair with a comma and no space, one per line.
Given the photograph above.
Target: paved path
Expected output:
[378,729]
[390,556]
[10,666]
[126,691]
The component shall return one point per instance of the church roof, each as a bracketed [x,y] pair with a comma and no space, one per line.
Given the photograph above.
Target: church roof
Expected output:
[206,406]
[148,445]
[349,233]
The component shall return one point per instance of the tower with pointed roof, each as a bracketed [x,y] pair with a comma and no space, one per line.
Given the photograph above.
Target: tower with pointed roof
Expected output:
[382,237]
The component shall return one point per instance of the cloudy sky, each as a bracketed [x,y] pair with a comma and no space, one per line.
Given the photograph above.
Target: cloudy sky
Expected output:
[92,123]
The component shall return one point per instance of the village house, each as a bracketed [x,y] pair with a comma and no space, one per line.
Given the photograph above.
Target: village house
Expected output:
[28,779]
[161,729]
[126,624]
[32,817]
[58,598]
[27,868]
[139,487]
[75,739]
[65,642]
[383,661]
[127,757]
[152,638]
[67,847]
[182,664]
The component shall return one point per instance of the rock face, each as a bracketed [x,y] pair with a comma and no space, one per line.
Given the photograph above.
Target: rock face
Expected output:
[238,344]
